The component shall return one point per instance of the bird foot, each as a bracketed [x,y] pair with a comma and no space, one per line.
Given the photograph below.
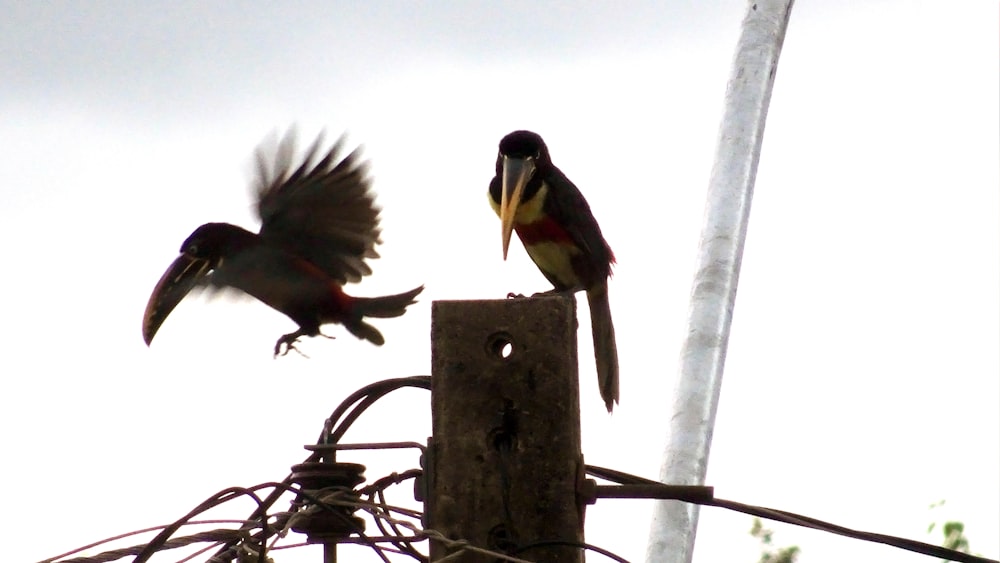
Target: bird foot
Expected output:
[291,338]
[549,293]
[288,341]
[556,293]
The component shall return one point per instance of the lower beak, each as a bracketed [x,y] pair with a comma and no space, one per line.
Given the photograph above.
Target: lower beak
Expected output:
[176,282]
[516,173]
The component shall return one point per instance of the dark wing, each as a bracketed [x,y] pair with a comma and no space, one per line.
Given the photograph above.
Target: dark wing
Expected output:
[320,207]
[568,207]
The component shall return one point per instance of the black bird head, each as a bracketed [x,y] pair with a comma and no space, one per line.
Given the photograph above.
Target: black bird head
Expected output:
[522,162]
[202,252]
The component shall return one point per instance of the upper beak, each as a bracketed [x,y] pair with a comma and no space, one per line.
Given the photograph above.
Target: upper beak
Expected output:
[176,282]
[516,173]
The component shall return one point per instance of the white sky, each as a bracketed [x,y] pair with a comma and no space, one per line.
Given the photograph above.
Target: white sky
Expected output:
[862,377]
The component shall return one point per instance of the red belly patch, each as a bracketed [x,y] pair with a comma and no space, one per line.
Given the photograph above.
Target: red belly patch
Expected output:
[543,230]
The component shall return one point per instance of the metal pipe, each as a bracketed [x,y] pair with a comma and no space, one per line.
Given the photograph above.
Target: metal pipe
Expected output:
[727,211]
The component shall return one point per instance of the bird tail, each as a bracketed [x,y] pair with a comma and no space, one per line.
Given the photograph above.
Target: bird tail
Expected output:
[605,348]
[379,307]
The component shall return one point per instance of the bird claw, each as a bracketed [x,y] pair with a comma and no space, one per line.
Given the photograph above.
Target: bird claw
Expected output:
[549,293]
[289,341]
[289,346]
[554,293]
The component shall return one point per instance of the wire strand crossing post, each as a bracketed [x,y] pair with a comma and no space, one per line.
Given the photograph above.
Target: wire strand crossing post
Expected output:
[727,211]
[505,456]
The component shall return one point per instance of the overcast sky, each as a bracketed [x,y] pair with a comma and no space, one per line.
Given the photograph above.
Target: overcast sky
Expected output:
[863,377]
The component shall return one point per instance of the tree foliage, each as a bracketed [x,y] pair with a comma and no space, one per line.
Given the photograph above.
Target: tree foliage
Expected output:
[770,554]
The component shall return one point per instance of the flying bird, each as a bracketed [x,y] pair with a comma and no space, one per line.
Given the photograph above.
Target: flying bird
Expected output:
[549,214]
[319,224]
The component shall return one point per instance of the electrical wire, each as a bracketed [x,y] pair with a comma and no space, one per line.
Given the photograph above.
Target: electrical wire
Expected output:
[330,436]
[63,556]
[161,540]
[256,529]
[581,545]
[213,501]
[796,519]
[228,540]
[807,522]
[214,536]
[365,397]
[377,489]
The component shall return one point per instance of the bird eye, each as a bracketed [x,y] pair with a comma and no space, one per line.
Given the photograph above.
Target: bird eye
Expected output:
[193,249]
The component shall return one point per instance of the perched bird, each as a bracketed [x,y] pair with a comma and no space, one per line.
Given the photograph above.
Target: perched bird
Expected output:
[549,214]
[319,224]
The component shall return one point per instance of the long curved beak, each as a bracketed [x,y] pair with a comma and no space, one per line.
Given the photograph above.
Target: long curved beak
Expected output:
[176,282]
[516,173]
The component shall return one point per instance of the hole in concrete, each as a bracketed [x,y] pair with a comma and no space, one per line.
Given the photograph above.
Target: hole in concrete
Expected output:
[500,345]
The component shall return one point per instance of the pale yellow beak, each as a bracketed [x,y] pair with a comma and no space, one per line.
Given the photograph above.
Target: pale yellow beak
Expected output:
[516,173]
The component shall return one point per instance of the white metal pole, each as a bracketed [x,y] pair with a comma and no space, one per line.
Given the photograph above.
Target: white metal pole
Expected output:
[727,210]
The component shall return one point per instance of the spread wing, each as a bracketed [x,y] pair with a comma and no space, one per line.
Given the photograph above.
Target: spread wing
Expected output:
[319,207]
